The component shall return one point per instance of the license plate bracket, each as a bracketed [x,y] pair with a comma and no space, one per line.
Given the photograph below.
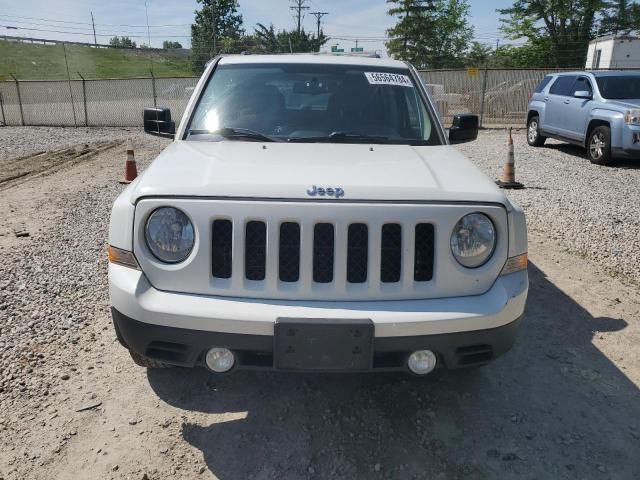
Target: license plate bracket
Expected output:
[320,344]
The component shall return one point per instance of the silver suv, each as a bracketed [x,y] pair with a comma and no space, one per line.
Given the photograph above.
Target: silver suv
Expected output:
[599,111]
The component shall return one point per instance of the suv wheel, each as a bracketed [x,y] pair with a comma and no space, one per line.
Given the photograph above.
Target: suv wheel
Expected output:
[599,145]
[147,362]
[533,132]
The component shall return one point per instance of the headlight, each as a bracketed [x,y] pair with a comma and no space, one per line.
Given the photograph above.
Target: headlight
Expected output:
[473,240]
[169,234]
[632,117]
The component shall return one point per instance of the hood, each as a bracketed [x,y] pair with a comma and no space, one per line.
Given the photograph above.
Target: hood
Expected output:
[291,170]
[627,103]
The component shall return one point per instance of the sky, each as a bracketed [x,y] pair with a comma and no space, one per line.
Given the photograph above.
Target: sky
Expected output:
[347,20]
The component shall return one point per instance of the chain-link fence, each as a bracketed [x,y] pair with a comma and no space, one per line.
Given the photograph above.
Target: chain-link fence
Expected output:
[499,96]
[96,103]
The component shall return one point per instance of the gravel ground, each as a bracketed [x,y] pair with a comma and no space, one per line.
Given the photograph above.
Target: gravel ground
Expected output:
[589,210]
[564,403]
[21,141]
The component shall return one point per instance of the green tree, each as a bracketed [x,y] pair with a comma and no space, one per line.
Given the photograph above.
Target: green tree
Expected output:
[266,40]
[622,16]
[566,26]
[479,54]
[167,44]
[217,29]
[122,42]
[430,33]
[531,54]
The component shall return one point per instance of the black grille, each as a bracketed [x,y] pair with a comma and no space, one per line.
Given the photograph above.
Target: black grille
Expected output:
[391,254]
[255,250]
[423,264]
[323,253]
[221,240]
[357,251]
[289,254]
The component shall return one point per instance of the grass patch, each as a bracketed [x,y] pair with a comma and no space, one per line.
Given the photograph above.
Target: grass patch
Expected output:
[46,62]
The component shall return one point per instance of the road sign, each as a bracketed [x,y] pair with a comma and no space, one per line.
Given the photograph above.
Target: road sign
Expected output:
[357,49]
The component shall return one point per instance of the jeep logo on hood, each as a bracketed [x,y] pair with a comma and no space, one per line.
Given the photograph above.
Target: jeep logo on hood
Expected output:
[335,192]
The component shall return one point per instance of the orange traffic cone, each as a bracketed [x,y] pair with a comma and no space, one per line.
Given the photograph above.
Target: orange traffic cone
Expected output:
[509,168]
[130,169]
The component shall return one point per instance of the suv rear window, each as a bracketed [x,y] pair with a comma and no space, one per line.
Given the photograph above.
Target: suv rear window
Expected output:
[562,86]
[545,81]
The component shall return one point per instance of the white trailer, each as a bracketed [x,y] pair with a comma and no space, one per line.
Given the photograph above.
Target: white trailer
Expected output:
[614,51]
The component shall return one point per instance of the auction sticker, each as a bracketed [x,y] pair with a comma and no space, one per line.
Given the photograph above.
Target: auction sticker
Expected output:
[382,78]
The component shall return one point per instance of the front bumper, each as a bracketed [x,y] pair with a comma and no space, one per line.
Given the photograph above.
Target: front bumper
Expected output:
[627,145]
[178,328]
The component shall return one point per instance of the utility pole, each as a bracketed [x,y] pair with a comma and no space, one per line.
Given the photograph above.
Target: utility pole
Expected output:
[319,16]
[298,6]
[95,42]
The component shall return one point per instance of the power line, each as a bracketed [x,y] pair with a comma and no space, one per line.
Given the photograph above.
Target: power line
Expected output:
[89,33]
[90,27]
[102,24]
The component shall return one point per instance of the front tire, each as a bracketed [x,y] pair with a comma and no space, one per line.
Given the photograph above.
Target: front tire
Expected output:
[533,132]
[599,146]
[147,362]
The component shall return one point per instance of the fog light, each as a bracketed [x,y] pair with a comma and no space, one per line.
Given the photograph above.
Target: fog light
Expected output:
[422,362]
[220,360]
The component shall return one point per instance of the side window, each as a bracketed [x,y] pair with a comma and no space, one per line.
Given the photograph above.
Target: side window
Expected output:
[412,113]
[562,86]
[581,84]
[545,81]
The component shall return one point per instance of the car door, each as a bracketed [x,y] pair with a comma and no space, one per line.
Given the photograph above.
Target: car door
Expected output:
[577,109]
[555,116]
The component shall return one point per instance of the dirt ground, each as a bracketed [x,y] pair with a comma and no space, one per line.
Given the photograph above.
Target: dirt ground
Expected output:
[564,403]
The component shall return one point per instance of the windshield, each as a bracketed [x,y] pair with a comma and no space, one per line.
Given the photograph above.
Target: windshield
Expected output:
[313,103]
[619,88]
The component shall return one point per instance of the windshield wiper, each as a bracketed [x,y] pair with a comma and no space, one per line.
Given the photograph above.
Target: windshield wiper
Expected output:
[230,132]
[341,136]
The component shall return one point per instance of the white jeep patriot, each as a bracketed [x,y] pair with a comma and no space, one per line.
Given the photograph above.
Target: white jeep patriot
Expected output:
[311,215]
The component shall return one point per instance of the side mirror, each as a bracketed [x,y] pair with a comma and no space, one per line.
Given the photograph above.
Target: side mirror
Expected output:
[583,94]
[157,121]
[464,128]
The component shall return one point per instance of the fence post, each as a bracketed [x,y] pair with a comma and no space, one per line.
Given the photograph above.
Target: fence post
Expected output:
[153,87]
[19,99]
[4,120]
[73,105]
[84,99]
[484,91]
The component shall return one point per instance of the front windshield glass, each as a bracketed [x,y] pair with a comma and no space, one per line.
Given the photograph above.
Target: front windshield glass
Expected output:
[621,87]
[313,103]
